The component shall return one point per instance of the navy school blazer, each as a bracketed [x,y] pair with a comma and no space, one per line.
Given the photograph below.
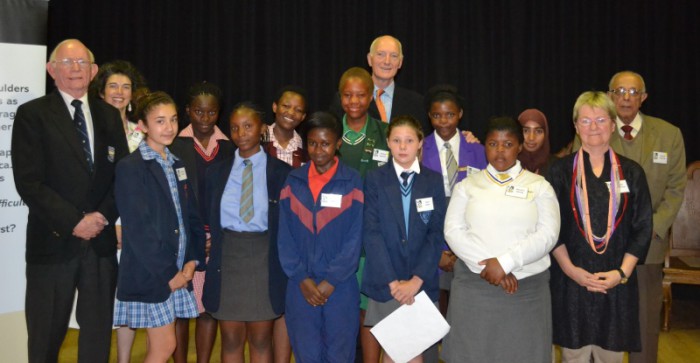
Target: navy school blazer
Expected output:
[150,229]
[217,176]
[391,254]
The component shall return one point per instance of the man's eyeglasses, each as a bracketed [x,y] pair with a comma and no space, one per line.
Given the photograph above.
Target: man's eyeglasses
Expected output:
[67,63]
[622,91]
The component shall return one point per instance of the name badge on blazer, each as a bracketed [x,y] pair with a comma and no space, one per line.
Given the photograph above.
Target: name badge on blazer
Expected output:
[516,191]
[380,155]
[110,154]
[424,204]
[181,174]
[331,200]
[659,157]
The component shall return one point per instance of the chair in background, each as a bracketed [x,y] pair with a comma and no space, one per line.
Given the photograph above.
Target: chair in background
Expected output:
[682,263]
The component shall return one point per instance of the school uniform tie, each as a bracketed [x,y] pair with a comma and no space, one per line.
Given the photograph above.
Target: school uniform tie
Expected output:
[451,165]
[406,195]
[628,132]
[246,209]
[503,176]
[380,105]
[405,175]
[81,127]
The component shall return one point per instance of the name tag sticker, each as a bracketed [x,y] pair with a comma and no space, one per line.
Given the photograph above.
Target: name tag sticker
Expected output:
[472,170]
[380,155]
[331,200]
[181,174]
[624,188]
[660,157]
[136,137]
[516,192]
[424,204]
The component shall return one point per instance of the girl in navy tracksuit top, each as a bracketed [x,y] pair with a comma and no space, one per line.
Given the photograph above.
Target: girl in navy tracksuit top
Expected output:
[320,237]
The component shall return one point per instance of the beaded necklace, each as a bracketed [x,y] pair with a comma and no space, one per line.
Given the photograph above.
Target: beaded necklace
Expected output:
[579,201]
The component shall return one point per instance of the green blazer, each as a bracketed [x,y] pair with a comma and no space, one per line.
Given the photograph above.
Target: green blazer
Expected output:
[666,181]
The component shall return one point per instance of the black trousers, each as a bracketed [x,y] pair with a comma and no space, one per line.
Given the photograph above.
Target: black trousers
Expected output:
[49,299]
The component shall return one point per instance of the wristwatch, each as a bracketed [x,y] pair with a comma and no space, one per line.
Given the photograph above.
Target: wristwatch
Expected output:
[623,277]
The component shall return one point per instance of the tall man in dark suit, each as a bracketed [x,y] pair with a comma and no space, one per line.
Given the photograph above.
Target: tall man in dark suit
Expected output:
[65,146]
[658,147]
[386,57]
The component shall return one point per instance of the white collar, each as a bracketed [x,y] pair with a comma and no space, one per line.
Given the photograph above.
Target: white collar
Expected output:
[636,124]
[415,167]
[513,172]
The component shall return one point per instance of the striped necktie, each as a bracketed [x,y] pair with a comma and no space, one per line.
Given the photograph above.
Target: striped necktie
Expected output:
[246,210]
[406,187]
[81,126]
[450,165]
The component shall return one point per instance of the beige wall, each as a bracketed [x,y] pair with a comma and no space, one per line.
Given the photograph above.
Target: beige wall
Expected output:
[13,337]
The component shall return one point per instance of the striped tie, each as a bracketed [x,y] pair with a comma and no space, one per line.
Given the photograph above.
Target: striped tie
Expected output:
[451,165]
[81,126]
[246,210]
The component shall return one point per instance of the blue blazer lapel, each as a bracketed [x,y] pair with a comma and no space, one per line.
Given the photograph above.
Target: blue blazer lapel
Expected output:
[159,176]
[393,192]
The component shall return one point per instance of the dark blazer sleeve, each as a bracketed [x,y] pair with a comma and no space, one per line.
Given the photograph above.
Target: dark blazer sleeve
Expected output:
[379,268]
[32,167]
[277,172]
[216,178]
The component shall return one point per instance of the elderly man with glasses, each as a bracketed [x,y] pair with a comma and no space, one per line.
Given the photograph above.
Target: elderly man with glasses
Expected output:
[658,147]
[65,146]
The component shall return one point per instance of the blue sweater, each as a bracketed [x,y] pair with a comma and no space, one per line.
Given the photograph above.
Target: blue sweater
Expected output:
[322,243]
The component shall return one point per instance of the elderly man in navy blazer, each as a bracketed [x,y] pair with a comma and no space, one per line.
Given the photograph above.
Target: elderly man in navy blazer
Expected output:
[65,146]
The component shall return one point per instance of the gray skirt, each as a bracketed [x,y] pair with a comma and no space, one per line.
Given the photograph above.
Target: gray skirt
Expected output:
[488,325]
[245,283]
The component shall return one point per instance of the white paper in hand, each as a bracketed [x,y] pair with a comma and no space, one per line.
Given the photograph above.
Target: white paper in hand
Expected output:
[411,329]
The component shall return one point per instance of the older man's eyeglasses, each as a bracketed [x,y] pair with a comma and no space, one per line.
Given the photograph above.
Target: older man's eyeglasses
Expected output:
[622,91]
[587,122]
[67,63]
[446,115]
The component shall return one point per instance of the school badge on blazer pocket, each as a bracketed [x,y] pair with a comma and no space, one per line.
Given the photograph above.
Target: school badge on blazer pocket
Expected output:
[110,154]
[425,216]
